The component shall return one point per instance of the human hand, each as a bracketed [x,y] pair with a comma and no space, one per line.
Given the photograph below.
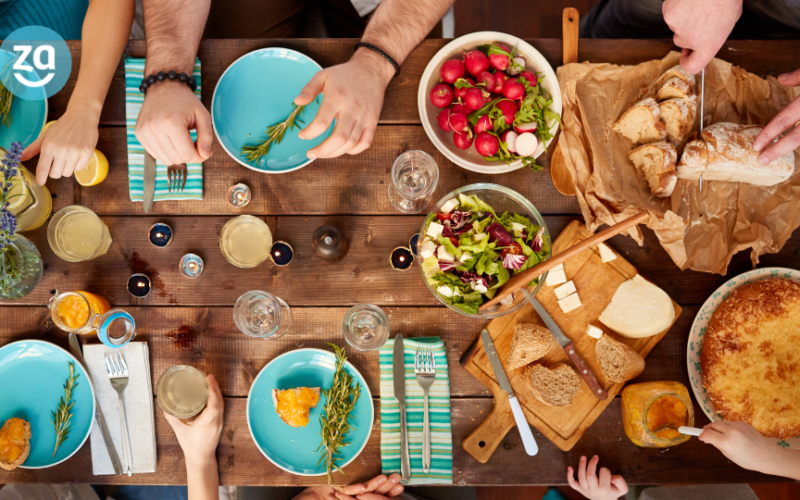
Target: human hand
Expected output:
[604,487]
[700,27]
[169,112]
[65,147]
[200,437]
[740,443]
[782,122]
[377,488]
[353,95]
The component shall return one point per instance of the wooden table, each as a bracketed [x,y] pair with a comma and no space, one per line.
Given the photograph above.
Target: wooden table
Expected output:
[190,321]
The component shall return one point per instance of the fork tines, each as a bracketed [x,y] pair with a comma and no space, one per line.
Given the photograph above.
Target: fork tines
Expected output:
[176,174]
[425,362]
[115,364]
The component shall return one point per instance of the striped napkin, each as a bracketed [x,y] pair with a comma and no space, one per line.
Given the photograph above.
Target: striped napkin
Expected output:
[134,72]
[439,404]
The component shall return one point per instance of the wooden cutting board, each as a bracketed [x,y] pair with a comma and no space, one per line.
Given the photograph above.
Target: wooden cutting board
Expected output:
[596,283]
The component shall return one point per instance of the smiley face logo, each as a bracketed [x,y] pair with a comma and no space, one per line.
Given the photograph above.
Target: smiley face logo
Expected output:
[35,63]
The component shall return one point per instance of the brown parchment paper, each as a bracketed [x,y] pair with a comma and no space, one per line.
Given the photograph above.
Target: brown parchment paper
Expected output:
[700,230]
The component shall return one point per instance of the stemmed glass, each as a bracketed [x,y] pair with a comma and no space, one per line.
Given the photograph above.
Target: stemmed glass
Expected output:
[263,315]
[365,327]
[414,178]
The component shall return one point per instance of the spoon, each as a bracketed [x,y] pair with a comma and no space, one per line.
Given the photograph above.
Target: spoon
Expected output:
[689,431]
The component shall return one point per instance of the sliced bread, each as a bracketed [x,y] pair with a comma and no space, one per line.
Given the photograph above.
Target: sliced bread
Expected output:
[555,386]
[677,71]
[657,162]
[674,87]
[619,362]
[297,409]
[15,443]
[530,343]
[675,115]
[638,309]
[641,123]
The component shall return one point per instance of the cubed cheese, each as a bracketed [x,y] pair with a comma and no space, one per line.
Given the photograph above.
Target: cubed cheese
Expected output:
[428,248]
[556,277]
[434,230]
[465,257]
[570,302]
[445,291]
[517,227]
[560,266]
[565,289]
[444,255]
[449,205]
[606,253]
[479,237]
[480,288]
[594,332]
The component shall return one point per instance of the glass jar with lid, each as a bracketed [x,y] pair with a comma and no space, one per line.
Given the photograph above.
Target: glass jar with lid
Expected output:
[85,313]
[652,412]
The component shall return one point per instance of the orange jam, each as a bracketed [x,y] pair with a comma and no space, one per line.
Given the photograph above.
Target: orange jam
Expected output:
[649,405]
[74,310]
[13,437]
[666,410]
[293,408]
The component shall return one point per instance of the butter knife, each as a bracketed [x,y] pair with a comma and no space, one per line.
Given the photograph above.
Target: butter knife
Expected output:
[75,349]
[572,354]
[399,375]
[149,184]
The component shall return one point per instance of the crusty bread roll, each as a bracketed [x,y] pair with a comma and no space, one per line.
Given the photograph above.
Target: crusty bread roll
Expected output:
[619,362]
[676,71]
[675,115]
[727,154]
[657,162]
[641,123]
[674,87]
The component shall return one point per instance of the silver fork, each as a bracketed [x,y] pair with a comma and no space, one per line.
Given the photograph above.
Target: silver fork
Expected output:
[118,375]
[176,174]
[425,368]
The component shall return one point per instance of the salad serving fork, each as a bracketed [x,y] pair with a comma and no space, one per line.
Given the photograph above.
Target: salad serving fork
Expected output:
[425,369]
[118,375]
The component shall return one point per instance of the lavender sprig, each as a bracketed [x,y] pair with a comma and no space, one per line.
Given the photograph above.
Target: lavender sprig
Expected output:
[9,168]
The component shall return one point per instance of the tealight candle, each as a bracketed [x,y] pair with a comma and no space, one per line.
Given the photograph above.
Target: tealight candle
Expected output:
[160,234]
[412,244]
[239,195]
[139,285]
[191,265]
[281,253]
[401,259]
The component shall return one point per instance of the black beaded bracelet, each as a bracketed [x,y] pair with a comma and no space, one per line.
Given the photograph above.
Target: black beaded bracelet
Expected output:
[381,53]
[161,76]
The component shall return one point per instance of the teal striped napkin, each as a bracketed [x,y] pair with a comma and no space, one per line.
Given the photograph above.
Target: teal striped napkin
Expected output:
[439,403]
[134,72]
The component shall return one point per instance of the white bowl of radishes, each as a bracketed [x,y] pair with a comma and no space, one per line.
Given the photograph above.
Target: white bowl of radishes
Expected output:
[490,102]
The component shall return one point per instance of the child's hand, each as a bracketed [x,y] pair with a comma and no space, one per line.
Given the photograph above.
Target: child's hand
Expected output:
[741,443]
[199,438]
[378,488]
[606,487]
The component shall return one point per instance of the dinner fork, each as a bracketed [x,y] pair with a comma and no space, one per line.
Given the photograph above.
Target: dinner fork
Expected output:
[425,368]
[118,375]
[176,174]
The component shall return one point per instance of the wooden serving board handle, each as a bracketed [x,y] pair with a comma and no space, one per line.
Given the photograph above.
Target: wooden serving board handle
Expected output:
[491,432]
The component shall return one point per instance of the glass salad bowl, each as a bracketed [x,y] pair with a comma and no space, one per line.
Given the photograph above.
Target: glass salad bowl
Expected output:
[501,199]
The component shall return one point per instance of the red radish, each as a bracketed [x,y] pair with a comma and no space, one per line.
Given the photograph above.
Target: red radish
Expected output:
[460,108]
[487,79]
[525,127]
[510,138]
[486,144]
[512,89]
[459,123]
[452,70]
[526,144]
[529,77]
[512,70]
[474,99]
[484,124]
[442,95]
[499,81]
[444,120]
[463,141]
[499,61]
[476,61]
[461,93]
[509,109]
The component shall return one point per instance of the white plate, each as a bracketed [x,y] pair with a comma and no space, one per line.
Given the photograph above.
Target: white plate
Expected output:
[698,331]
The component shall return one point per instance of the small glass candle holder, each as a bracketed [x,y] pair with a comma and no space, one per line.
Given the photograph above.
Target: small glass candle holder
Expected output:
[239,195]
[412,244]
[191,265]
[281,253]
[139,285]
[365,327]
[401,259]
[263,315]
[329,243]
[160,234]
[414,178]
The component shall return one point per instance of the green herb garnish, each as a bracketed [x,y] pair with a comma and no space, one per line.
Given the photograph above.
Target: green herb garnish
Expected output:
[5,105]
[275,134]
[62,418]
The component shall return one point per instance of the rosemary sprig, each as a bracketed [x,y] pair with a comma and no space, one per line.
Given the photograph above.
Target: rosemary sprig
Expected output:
[340,400]
[275,134]
[62,418]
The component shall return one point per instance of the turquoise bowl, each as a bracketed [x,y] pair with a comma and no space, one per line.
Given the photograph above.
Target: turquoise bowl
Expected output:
[32,377]
[27,117]
[295,449]
[257,91]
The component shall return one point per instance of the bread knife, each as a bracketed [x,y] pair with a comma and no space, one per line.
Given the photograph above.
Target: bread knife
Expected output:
[524,427]
[75,349]
[572,354]
[399,376]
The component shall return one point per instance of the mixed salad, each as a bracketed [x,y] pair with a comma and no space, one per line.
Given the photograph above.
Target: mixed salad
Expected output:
[469,251]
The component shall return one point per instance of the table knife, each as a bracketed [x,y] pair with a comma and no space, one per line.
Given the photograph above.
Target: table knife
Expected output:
[502,379]
[569,348]
[399,375]
[75,349]
[149,178]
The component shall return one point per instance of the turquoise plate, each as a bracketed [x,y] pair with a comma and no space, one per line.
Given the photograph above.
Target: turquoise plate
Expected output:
[257,91]
[32,376]
[27,117]
[295,449]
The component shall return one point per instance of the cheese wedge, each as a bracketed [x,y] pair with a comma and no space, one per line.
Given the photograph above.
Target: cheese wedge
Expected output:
[556,277]
[638,309]
[570,303]
[606,254]
[565,289]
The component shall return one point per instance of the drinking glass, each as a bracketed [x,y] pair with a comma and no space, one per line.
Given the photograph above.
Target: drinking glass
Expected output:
[245,241]
[263,315]
[414,178]
[30,202]
[366,327]
[182,391]
[75,234]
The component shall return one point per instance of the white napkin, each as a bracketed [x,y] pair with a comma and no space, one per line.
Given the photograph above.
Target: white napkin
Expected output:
[138,397]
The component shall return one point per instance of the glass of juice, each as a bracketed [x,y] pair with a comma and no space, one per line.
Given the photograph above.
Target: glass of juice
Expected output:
[29,202]
[245,241]
[182,391]
[75,234]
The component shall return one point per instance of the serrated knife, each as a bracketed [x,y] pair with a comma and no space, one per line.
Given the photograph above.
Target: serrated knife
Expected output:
[572,354]
[399,375]
[149,181]
[502,379]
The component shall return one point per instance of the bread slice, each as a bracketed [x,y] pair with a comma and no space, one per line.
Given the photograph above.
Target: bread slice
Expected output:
[275,394]
[657,162]
[641,123]
[677,71]
[15,443]
[619,362]
[638,309]
[530,343]
[675,115]
[674,87]
[556,386]
[726,154]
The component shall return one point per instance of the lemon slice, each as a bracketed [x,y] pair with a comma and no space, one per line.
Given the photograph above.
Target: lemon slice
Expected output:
[95,172]
[17,194]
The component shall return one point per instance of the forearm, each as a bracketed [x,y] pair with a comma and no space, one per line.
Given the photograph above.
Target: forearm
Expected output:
[173,29]
[202,478]
[784,462]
